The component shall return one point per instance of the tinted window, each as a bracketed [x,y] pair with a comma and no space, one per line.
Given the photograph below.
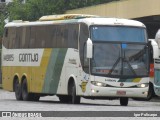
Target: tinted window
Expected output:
[44,36]
[73,35]
[40,36]
[118,33]
[12,37]
[18,39]
[32,41]
[25,37]
[84,35]
[5,38]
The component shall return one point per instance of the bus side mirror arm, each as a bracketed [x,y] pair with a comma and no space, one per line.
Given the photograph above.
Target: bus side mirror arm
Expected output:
[155,52]
[155,49]
[89,50]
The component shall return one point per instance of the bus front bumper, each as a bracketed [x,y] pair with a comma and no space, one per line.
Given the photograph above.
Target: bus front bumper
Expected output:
[96,91]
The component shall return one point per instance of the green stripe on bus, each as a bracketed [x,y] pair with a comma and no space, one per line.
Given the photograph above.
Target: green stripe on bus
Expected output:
[54,70]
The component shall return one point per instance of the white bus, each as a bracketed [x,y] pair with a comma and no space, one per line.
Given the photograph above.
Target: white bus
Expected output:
[156,53]
[74,56]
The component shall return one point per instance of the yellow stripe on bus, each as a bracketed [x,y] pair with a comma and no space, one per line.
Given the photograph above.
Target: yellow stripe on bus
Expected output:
[137,80]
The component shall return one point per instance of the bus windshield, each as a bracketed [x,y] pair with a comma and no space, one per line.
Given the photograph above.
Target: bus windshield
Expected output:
[118,33]
[119,51]
[120,60]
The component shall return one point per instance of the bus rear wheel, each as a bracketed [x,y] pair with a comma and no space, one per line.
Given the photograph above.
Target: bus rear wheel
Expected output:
[17,89]
[26,95]
[34,97]
[124,101]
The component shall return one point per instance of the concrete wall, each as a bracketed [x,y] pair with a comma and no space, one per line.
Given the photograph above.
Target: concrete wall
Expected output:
[122,9]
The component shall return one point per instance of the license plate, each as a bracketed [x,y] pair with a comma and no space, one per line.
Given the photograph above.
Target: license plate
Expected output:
[121,92]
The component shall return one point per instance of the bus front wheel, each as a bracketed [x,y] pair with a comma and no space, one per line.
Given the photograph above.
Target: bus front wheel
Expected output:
[124,101]
[64,98]
[74,98]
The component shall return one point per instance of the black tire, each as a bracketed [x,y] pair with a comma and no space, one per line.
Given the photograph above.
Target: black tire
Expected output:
[34,97]
[74,98]
[150,92]
[124,101]
[18,90]
[64,98]
[25,95]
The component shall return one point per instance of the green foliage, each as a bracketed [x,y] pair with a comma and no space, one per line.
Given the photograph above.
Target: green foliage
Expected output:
[38,8]
[1,24]
[3,15]
[33,9]
[16,10]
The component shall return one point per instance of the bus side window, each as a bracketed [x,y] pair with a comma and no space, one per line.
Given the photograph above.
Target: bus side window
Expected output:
[60,36]
[73,36]
[65,35]
[32,42]
[12,38]
[84,35]
[48,43]
[40,36]
[6,32]
[85,59]
[51,36]
[5,38]
[24,43]
[54,40]
[18,39]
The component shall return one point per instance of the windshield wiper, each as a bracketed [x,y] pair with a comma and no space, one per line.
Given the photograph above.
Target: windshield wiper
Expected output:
[115,64]
[123,60]
[138,55]
[131,68]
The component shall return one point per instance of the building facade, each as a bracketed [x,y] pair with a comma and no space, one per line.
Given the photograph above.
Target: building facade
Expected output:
[146,11]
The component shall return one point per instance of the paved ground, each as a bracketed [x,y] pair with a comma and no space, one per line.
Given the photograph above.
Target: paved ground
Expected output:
[51,103]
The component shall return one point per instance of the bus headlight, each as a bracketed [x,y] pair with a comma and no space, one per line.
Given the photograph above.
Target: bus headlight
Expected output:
[100,84]
[143,85]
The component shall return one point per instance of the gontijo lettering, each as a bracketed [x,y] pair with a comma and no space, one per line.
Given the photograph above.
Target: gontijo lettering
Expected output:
[28,57]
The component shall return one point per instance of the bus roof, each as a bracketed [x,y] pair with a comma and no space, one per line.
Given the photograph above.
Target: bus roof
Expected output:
[65,17]
[77,18]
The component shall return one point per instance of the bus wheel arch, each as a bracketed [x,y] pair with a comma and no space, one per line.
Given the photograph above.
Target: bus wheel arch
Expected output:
[150,95]
[17,88]
[15,79]
[72,91]
[23,78]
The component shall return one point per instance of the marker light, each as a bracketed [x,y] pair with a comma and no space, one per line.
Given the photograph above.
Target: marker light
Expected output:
[100,84]
[143,85]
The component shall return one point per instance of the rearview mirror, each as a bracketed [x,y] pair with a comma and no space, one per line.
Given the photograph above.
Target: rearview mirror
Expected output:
[155,48]
[89,51]
[157,38]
